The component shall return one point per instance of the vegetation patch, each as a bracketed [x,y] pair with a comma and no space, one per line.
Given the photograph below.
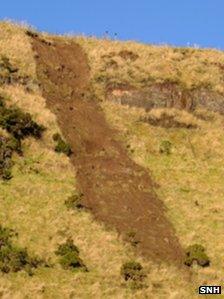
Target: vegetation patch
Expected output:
[69,256]
[196,253]
[141,65]
[165,147]
[204,114]
[128,55]
[7,147]
[74,201]
[32,33]
[14,258]
[18,123]
[170,118]
[133,272]
[62,146]
[8,73]
[6,150]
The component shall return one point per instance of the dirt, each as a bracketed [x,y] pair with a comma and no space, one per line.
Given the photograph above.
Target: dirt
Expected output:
[128,55]
[116,190]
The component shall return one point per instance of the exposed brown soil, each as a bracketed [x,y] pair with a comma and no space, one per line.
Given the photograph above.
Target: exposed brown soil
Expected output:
[128,55]
[118,191]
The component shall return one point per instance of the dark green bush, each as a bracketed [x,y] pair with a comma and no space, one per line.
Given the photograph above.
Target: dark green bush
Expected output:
[196,253]
[69,256]
[14,258]
[61,146]
[74,201]
[133,271]
[19,124]
[5,158]
[7,147]
[165,147]
[15,145]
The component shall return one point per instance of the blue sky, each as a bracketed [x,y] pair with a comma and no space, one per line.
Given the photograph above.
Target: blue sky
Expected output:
[176,22]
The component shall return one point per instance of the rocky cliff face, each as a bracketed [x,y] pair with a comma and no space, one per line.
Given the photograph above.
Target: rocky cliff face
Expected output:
[167,95]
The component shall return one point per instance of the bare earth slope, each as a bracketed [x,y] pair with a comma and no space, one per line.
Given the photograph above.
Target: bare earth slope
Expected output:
[116,189]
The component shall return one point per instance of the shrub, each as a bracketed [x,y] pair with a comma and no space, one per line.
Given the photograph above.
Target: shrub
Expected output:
[14,258]
[69,256]
[15,145]
[19,124]
[74,201]
[6,174]
[165,147]
[196,253]
[7,147]
[61,146]
[32,33]
[5,158]
[133,271]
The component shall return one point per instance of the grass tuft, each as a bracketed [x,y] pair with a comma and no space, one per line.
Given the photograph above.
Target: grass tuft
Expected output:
[74,201]
[61,146]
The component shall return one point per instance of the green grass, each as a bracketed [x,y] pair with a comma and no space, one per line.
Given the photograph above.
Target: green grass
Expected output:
[190,179]
[189,68]
[33,204]
[33,201]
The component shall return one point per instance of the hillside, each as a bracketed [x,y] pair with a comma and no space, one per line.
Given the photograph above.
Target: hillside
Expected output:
[139,176]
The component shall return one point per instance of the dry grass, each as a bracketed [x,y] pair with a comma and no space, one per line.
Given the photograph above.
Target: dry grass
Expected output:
[188,67]
[33,204]
[191,178]
[14,44]
[170,117]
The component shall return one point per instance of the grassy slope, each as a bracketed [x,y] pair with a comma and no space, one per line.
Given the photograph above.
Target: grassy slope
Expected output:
[190,179]
[33,201]
[188,67]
